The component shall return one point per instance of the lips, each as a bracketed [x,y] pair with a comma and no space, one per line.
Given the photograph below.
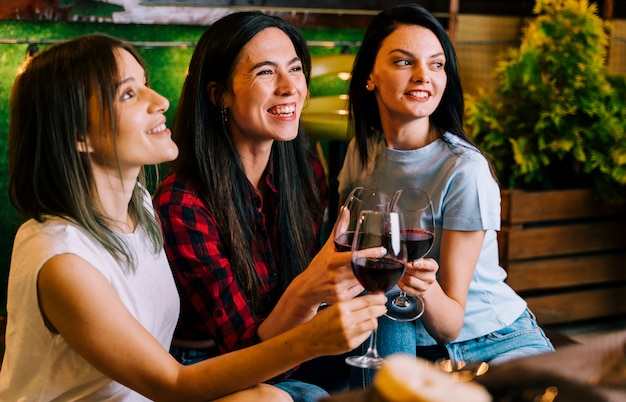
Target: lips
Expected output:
[283,110]
[158,129]
[419,94]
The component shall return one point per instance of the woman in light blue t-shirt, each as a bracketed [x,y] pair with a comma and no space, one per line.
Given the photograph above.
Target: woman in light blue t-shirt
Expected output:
[406,104]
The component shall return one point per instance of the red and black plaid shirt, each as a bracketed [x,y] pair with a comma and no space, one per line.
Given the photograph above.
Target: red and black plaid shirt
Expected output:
[213,305]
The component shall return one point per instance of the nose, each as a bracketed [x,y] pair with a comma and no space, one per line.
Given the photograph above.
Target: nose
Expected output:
[420,74]
[286,84]
[159,103]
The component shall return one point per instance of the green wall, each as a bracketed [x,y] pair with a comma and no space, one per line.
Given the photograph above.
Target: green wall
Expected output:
[166,69]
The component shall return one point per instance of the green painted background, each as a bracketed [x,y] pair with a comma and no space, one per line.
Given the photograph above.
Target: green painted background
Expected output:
[166,69]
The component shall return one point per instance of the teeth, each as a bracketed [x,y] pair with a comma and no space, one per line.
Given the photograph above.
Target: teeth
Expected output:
[419,94]
[280,110]
[158,129]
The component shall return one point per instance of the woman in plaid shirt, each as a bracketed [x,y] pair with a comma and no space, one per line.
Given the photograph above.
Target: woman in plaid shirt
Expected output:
[242,207]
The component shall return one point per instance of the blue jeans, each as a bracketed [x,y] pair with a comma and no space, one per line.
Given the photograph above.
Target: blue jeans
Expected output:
[523,337]
[298,390]
[302,391]
[187,356]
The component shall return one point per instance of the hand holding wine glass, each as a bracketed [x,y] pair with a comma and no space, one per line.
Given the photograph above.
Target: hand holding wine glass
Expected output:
[418,232]
[378,260]
[360,199]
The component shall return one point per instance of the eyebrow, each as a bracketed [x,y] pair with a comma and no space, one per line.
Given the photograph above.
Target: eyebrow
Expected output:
[273,64]
[407,53]
[126,80]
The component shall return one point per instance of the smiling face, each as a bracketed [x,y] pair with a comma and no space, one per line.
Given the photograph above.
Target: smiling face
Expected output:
[142,137]
[267,91]
[408,76]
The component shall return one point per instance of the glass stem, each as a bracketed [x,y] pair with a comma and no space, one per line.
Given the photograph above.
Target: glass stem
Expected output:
[401,300]
[371,349]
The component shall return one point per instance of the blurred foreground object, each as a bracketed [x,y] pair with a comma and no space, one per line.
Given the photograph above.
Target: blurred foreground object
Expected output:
[404,378]
[591,372]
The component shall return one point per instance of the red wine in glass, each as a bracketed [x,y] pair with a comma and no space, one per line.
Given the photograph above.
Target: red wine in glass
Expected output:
[378,262]
[343,242]
[378,274]
[418,242]
[418,233]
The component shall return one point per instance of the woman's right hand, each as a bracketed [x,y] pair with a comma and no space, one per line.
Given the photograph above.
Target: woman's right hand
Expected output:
[328,278]
[345,325]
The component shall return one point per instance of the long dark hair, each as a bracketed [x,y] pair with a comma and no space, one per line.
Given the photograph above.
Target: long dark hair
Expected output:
[363,107]
[208,156]
[48,176]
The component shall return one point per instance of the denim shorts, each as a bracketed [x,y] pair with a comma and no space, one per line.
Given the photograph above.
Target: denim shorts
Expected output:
[522,338]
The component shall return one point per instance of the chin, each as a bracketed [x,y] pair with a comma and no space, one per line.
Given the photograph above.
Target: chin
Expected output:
[170,156]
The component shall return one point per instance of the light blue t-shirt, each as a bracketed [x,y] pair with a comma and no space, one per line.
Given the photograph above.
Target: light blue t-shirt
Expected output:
[465,197]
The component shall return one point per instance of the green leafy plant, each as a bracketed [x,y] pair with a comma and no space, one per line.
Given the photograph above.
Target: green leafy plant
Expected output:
[557,118]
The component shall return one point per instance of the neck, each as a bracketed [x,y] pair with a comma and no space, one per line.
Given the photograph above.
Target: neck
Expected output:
[255,160]
[408,136]
[113,198]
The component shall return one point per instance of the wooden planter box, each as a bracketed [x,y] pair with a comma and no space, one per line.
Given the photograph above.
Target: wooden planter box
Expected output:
[565,253]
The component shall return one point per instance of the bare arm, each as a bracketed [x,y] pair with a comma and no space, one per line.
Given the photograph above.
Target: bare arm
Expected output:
[79,303]
[458,258]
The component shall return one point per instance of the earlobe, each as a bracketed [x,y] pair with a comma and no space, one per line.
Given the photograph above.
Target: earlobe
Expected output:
[82,146]
[369,85]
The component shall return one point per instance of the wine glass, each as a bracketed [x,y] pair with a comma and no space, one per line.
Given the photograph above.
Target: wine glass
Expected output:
[418,232]
[360,199]
[378,262]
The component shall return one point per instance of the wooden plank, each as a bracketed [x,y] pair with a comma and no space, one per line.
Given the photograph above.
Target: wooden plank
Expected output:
[565,239]
[452,20]
[565,253]
[539,206]
[503,246]
[576,306]
[537,275]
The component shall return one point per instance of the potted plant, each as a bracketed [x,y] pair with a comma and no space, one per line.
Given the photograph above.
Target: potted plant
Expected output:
[557,118]
[555,130]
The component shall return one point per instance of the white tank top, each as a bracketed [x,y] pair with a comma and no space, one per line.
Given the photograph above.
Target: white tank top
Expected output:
[42,366]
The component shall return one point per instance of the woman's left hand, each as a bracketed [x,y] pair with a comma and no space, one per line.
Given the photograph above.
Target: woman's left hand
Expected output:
[419,276]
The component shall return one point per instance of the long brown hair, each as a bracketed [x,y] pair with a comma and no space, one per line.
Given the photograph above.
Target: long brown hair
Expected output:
[48,176]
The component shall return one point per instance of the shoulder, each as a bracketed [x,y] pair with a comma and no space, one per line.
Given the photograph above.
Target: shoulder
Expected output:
[465,154]
[52,230]
[36,242]
[179,206]
[375,146]
[175,190]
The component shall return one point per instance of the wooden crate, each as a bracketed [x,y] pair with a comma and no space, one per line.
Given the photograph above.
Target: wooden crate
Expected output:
[565,253]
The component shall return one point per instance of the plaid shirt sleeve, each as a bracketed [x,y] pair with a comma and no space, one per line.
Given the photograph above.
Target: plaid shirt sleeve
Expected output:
[212,304]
